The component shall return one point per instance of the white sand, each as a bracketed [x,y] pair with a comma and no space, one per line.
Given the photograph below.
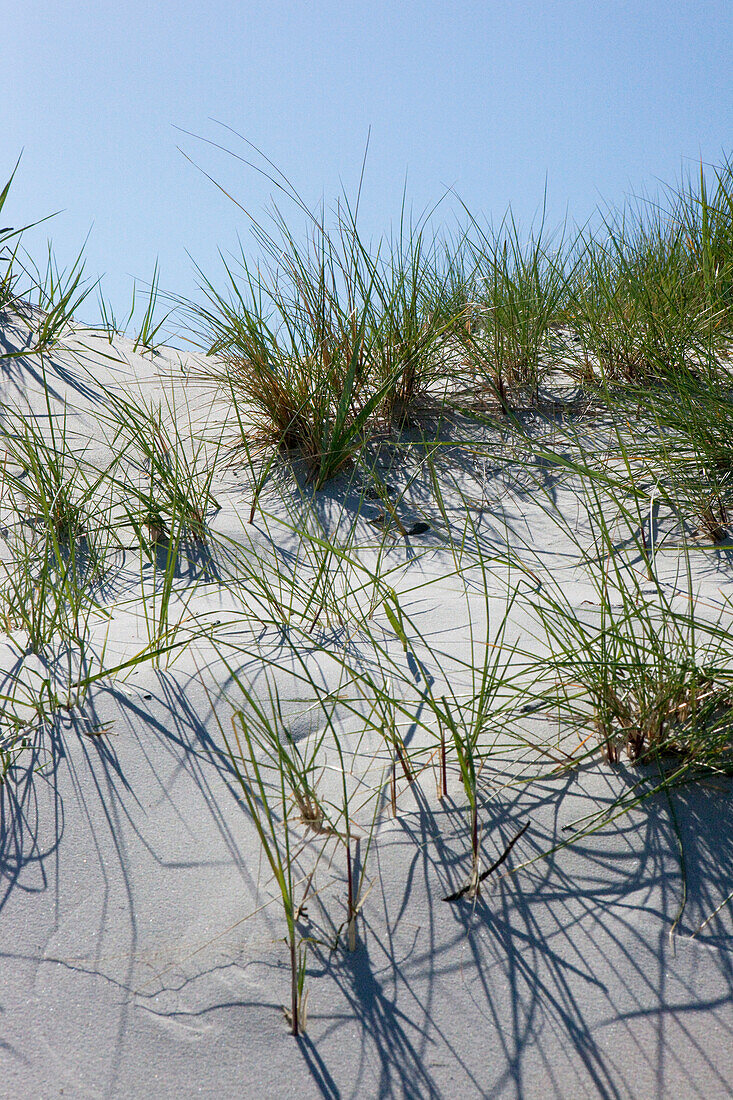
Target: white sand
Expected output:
[142,954]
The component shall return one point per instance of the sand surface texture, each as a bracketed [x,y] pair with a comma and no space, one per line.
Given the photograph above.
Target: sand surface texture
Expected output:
[142,935]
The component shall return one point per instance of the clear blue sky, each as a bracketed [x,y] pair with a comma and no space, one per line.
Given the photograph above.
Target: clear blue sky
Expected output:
[601,97]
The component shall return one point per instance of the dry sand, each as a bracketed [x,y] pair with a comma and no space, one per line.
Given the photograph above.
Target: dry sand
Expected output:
[142,954]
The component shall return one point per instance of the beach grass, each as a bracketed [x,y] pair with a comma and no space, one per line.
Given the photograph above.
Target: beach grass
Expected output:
[371,395]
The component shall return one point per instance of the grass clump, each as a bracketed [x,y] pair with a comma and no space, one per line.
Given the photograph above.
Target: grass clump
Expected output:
[685,442]
[297,380]
[59,293]
[520,298]
[169,467]
[145,337]
[639,665]
[324,341]
[652,683]
[651,296]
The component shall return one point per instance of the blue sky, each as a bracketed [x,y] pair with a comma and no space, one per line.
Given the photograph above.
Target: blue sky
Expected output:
[600,99]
